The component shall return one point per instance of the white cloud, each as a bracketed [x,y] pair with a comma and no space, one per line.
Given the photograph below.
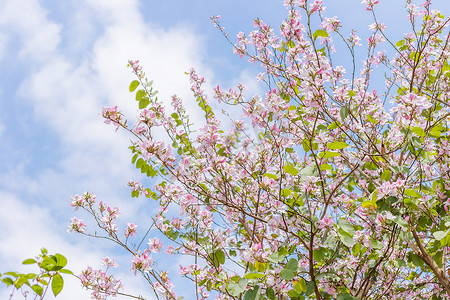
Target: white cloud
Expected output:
[25,229]
[3,43]
[39,37]
[66,91]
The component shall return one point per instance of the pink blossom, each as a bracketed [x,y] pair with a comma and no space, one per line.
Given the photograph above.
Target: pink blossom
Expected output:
[76,225]
[370,3]
[142,262]
[108,262]
[317,5]
[130,230]
[325,223]
[419,101]
[330,24]
[170,250]
[136,68]
[101,284]
[112,115]
[77,201]
[155,245]
[377,26]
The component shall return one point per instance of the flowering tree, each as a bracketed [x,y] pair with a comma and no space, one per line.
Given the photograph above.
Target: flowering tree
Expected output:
[342,193]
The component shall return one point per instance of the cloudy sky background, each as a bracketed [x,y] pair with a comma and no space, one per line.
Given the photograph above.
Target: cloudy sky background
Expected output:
[62,61]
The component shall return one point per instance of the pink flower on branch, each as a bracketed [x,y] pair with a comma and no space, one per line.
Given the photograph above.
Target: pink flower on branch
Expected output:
[330,24]
[415,100]
[101,284]
[325,223]
[142,262]
[136,68]
[112,115]
[370,3]
[130,231]
[76,225]
[108,262]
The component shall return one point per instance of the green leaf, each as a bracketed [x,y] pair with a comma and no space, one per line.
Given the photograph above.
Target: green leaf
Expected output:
[310,288]
[270,293]
[48,263]
[439,235]
[139,95]
[337,145]
[8,281]
[133,85]
[371,166]
[292,265]
[235,288]
[276,257]
[419,131]
[306,145]
[143,103]
[344,112]
[300,285]
[371,119]
[435,132]
[370,204]
[253,294]
[415,259]
[61,261]
[400,43]
[386,175]
[218,258]
[333,125]
[29,261]
[253,275]
[400,221]
[376,244]
[37,289]
[328,154]
[30,276]
[356,249]
[326,167]
[319,33]
[14,274]
[346,226]
[21,281]
[346,240]
[413,193]
[139,163]
[345,296]
[57,284]
[290,170]
[401,169]
[287,274]
[65,271]
[286,192]
[271,176]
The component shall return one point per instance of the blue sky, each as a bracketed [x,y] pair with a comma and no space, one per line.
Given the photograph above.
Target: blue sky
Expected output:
[62,61]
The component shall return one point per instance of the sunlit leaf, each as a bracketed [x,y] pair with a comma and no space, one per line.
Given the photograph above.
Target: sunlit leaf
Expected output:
[57,284]
[319,33]
[133,85]
[29,261]
[337,145]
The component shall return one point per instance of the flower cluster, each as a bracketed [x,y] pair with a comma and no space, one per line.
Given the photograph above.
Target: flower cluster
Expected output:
[101,284]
